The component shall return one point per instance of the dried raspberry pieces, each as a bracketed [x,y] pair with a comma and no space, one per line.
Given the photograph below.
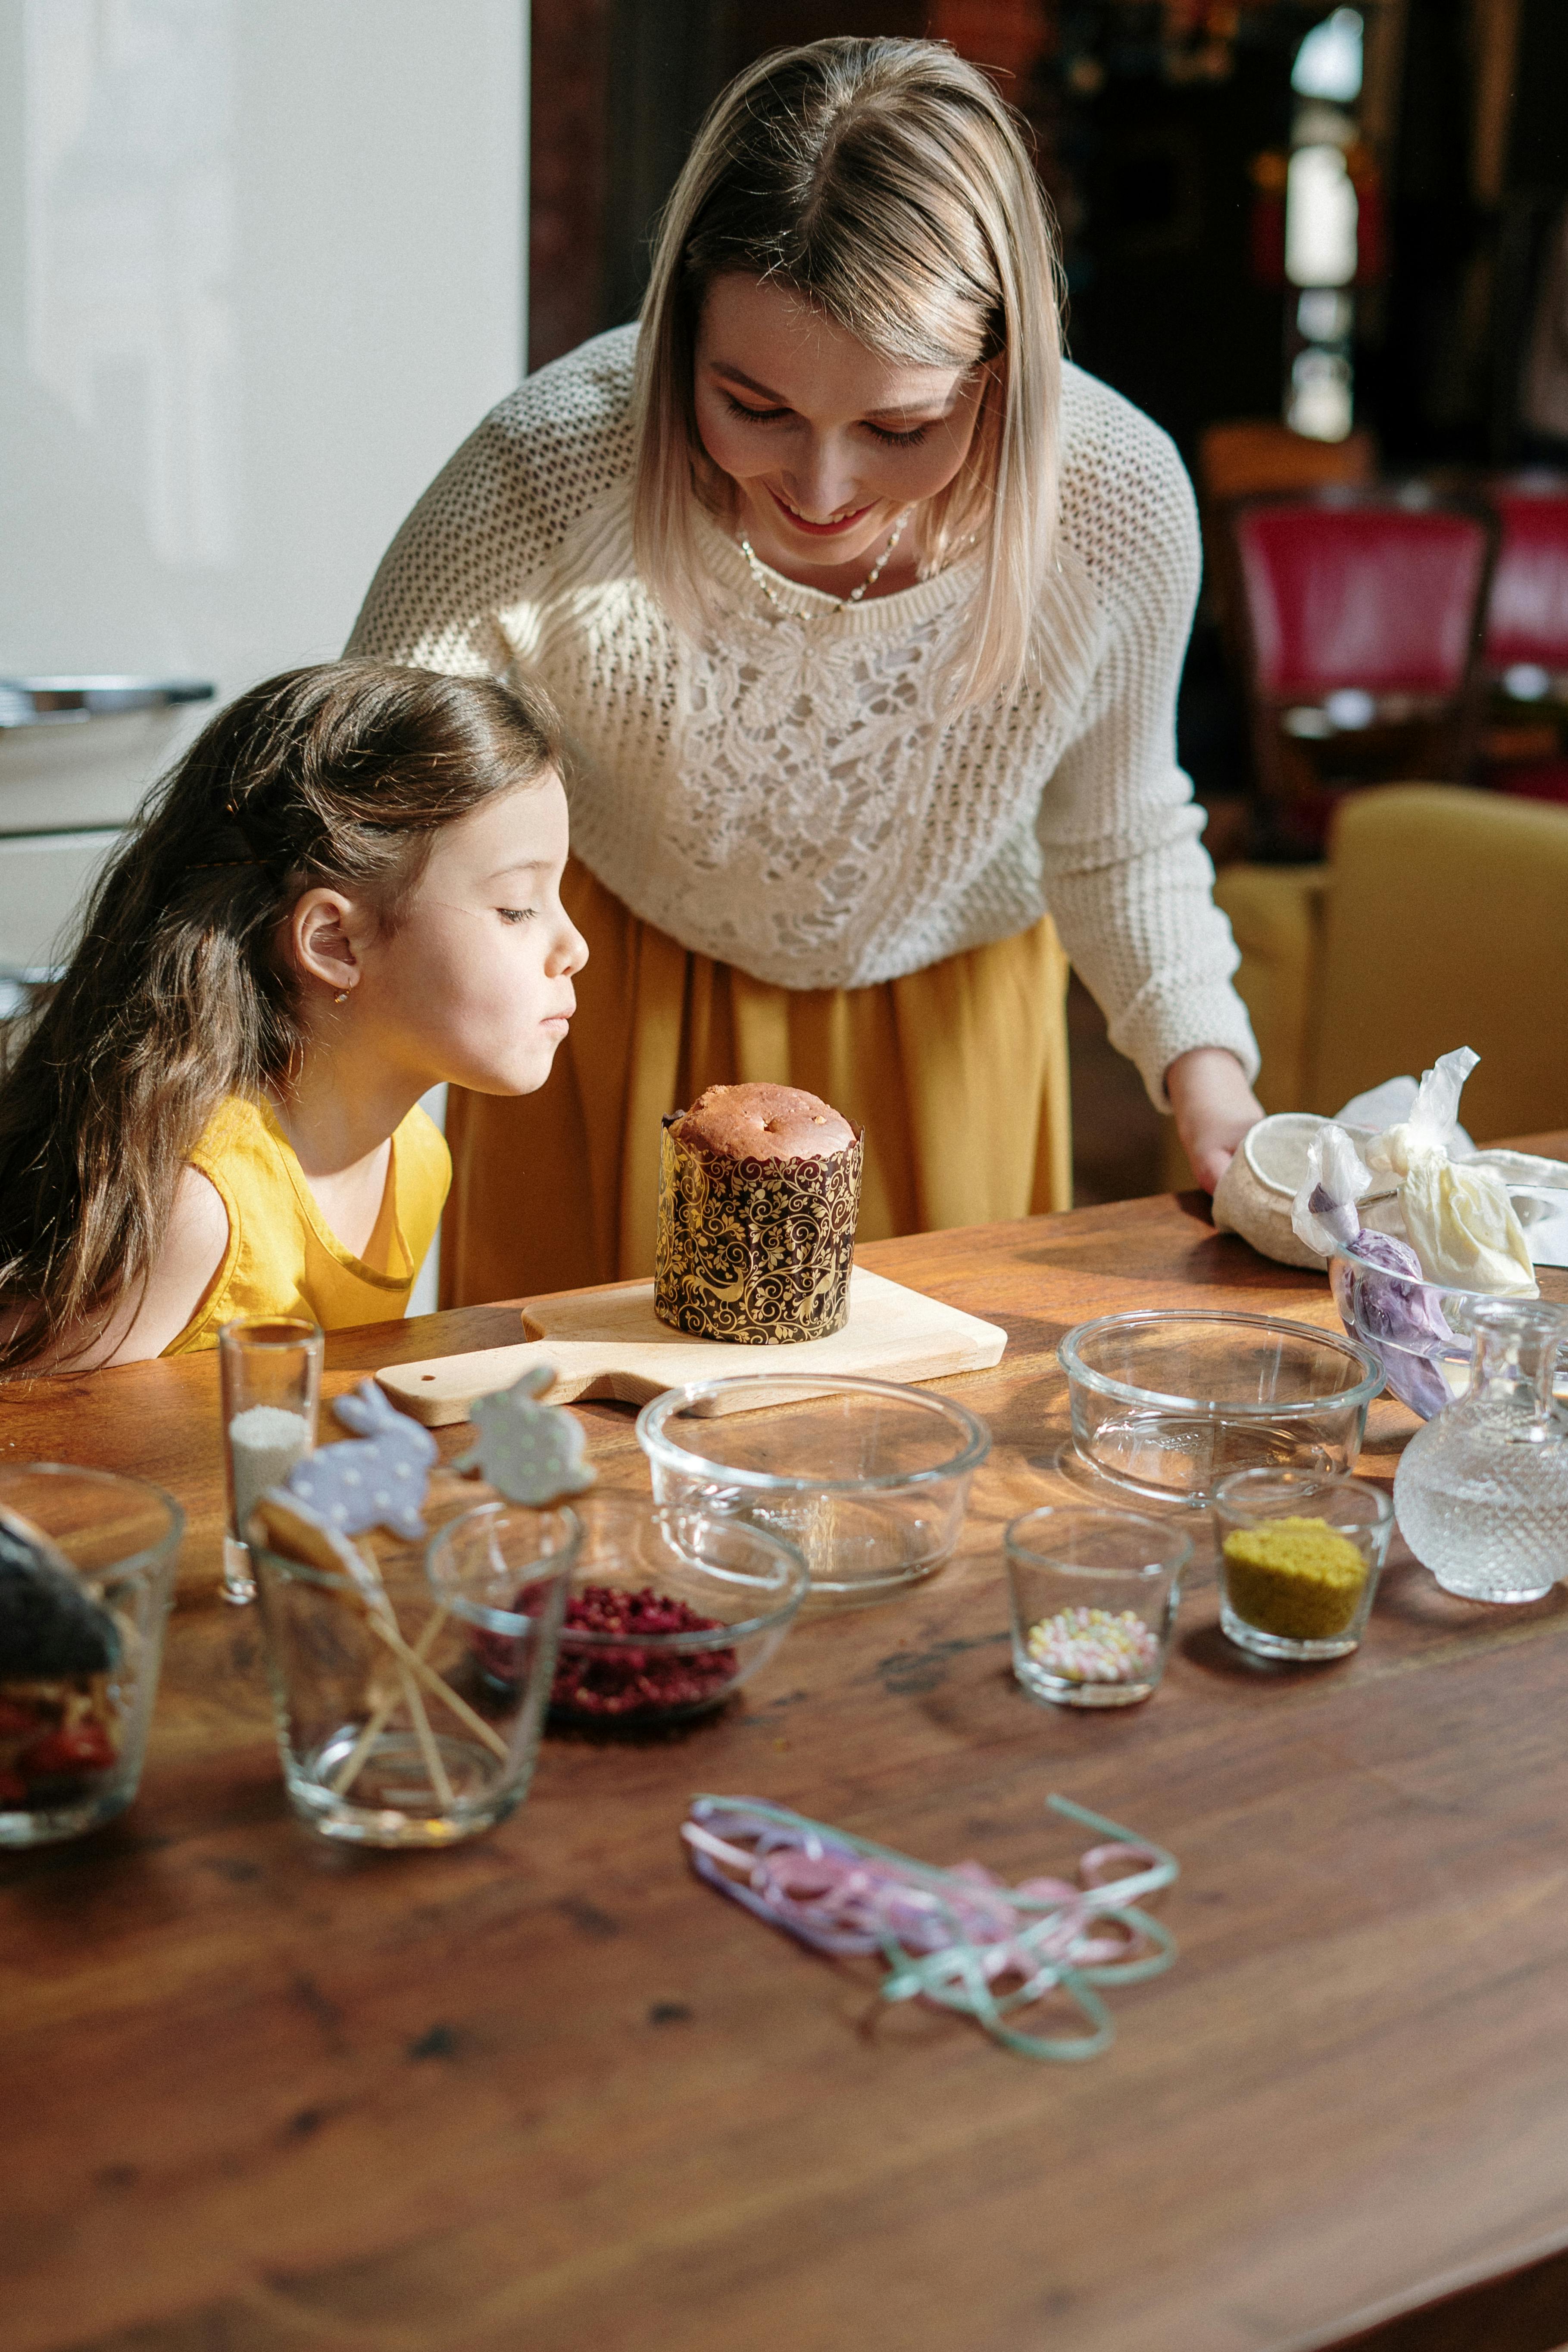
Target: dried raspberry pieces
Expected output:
[611,1677]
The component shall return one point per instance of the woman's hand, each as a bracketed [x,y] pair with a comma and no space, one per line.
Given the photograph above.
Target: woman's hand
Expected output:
[1214,1106]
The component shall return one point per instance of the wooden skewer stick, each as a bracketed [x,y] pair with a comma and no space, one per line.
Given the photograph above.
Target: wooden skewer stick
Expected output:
[348,1772]
[415,1664]
[427,1739]
[380,1616]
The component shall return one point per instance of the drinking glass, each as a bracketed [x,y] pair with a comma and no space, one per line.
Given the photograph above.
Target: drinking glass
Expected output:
[269,1373]
[1308,1608]
[82,1636]
[1094,1597]
[394,1724]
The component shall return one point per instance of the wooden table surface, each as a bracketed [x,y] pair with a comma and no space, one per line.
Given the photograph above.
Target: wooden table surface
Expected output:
[548,2091]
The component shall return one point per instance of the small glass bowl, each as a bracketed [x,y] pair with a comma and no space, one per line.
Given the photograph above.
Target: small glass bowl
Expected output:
[1167,1403]
[745,1581]
[1271,1616]
[1094,1597]
[866,1479]
[1389,1311]
[79,1675]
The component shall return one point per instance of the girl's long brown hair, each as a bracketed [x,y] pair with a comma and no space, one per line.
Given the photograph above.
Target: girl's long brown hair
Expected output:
[175,998]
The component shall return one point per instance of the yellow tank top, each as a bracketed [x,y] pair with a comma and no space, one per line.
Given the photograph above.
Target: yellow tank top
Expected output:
[282,1257]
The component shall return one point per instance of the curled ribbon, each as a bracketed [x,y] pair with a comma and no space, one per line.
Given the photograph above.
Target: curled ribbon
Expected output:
[955,1936]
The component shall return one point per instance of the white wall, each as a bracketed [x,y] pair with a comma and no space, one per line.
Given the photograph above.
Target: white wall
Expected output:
[262,268]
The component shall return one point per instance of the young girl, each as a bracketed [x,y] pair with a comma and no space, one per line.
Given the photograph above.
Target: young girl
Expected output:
[346,893]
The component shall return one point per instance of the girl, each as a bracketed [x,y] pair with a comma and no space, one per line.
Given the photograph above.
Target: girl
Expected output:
[866,617]
[345,893]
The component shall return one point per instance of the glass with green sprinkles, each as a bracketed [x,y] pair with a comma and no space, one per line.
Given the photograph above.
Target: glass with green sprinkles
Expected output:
[1094,1597]
[1300,1556]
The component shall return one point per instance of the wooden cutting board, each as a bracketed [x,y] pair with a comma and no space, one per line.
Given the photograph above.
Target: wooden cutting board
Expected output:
[610,1343]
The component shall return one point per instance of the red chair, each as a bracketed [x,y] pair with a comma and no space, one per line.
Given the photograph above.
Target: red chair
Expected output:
[1361,616]
[1527,612]
[1525,651]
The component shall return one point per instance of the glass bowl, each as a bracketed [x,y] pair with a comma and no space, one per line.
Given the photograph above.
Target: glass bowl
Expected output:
[1422,1332]
[866,1479]
[625,1656]
[1167,1403]
[1094,1597]
[81,1637]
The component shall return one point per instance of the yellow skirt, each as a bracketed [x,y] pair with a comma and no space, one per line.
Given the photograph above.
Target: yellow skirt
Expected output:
[958,1074]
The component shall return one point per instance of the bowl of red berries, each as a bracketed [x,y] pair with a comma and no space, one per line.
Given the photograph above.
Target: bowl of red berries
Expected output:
[87,1565]
[669,1608]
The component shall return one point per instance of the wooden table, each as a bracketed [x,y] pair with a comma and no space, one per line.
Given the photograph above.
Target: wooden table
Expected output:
[548,2091]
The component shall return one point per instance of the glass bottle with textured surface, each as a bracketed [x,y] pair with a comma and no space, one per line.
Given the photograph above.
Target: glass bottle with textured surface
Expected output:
[1481,1492]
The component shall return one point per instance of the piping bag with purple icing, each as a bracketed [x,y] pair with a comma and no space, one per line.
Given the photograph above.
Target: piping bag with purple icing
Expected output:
[1327,1217]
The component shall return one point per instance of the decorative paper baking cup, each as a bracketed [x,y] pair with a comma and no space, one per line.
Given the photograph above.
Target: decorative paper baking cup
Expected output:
[756,1251]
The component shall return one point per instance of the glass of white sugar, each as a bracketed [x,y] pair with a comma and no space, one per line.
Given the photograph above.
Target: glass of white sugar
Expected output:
[269,1371]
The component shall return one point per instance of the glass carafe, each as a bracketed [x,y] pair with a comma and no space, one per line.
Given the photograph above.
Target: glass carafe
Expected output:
[1481,1492]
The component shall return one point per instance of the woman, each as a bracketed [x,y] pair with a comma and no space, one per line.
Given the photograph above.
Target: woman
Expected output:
[865,617]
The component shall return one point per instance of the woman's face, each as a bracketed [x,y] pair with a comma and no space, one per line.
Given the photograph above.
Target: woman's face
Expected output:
[825,441]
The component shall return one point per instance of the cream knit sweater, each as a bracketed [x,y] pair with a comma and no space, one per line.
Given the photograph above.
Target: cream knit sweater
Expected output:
[789,795]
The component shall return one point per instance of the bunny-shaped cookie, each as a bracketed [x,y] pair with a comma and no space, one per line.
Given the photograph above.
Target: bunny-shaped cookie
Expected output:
[378,1479]
[530,1452]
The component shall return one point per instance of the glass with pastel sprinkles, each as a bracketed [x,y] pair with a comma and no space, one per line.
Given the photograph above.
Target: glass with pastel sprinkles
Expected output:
[1094,1596]
[1299,1555]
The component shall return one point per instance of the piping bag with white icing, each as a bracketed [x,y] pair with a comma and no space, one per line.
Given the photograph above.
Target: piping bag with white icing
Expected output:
[1459,1216]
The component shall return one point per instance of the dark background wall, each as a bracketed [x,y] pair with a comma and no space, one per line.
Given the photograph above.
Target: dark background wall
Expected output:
[1147,116]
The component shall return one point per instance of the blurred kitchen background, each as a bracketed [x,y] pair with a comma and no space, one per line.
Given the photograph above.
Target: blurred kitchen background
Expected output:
[264,263]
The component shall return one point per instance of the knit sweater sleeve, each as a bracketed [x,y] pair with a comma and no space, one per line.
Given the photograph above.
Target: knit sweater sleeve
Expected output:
[481,540]
[1128,880]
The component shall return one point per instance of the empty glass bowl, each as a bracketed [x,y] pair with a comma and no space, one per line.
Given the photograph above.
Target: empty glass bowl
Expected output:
[866,1479]
[1167,1403]
[670,1610]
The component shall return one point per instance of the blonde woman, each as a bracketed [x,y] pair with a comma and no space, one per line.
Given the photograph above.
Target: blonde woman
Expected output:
[865,616]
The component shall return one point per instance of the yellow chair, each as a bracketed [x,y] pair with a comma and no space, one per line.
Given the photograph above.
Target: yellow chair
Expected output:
[1440,919]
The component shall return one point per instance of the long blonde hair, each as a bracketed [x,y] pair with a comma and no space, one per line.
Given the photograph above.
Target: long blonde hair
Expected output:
[885,182]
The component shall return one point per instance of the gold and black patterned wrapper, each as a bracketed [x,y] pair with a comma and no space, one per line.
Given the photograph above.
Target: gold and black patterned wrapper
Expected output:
[757,1251]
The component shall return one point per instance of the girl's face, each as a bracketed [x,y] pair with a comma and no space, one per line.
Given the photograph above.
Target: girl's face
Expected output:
[825,441]
[475,985]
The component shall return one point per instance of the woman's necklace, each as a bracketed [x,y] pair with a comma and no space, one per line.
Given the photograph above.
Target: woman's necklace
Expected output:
[844,603]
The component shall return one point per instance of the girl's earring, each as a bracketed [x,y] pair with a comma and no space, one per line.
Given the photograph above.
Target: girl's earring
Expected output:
[342,997]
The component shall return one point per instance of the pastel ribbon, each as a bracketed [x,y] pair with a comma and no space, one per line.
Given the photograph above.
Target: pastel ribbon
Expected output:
[949,1936]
